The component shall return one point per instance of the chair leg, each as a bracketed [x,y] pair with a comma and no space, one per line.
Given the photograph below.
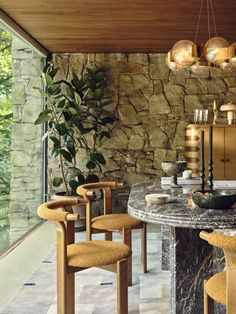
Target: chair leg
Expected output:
[71,293]
[127,239]
[144,247]
[61,290]
[208,302]
[108,236]
[122,287]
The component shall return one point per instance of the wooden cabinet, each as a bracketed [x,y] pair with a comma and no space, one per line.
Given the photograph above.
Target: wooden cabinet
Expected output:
[224,150]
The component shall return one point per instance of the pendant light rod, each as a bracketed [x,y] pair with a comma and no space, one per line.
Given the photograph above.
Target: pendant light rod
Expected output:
[208,20]
[198,21]
[213,18]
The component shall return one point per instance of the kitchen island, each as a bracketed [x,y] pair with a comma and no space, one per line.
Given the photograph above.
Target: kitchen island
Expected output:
[191,259]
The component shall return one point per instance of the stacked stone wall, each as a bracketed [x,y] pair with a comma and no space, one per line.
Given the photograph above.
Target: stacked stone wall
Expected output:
[153,106]
[26,147]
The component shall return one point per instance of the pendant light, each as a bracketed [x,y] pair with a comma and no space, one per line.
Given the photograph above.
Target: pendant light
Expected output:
[216,52]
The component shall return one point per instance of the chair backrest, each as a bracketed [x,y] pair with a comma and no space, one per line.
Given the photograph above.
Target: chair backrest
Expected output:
[220,240]
[88,192]
[228,244]
[61,213]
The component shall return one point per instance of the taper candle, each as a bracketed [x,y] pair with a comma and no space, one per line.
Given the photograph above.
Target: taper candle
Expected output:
[210,162]
[202,166]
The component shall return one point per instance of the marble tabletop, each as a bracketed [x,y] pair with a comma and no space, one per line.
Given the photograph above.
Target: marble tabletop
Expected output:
[179,212]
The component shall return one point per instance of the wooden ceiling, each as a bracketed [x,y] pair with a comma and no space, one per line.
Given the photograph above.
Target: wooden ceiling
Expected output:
[117,25]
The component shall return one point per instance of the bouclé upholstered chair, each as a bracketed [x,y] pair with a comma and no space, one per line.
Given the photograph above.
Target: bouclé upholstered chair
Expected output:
[222,286]
[73,257]
[109,222]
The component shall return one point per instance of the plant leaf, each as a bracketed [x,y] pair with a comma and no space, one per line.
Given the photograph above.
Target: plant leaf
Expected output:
[61,128]
[66,155]
[98,93]
[42,119]
[56,141]
[57,181]
[72,150]
[55,152]
[107,120]
[99,157]
[92,178]
[74,184]
[48,81]
[53,72]
[90,164]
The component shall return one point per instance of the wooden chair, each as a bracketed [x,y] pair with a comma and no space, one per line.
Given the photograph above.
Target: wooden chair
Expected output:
[73,257]
[109,222]
[222,286]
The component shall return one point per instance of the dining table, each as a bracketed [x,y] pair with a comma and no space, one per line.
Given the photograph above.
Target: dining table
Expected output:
[191,259]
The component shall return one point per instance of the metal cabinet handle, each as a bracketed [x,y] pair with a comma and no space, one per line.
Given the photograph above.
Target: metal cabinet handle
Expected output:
[222,160]
[227,160]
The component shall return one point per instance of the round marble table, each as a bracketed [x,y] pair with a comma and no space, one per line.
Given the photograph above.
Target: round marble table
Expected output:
[191,259]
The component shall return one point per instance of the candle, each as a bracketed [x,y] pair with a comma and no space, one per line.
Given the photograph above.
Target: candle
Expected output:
[210,144]
[202,167]
[210,164]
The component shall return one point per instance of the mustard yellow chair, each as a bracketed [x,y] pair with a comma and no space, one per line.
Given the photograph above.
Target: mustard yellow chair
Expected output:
[73,257]
[109,222]
[222,286]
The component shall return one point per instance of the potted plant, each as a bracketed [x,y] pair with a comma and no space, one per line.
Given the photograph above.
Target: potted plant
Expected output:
[76,118]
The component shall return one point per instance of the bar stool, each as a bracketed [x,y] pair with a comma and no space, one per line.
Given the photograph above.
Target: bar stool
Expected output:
[73,257]
[222,286]
[109,222]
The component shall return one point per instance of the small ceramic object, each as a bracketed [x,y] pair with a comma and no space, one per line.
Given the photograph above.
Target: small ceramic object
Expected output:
[187,174]
[230,109]
[157,198]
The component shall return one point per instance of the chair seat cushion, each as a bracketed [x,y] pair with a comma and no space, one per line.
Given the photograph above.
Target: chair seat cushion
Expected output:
[216,287]
[114,222]
[96,253]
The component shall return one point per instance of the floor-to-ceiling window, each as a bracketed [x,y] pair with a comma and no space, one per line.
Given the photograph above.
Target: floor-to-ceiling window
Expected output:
[21,147]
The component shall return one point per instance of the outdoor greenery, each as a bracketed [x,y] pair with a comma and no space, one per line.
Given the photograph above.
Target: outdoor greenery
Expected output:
[5,110]
[77,119]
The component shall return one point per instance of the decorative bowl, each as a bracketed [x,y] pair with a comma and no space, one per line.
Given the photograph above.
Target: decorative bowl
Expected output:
[172,168]
[157,198]
[214,199]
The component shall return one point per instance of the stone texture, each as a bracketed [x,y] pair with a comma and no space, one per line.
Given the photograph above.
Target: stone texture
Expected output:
[136,141]
[158,104]
[152,104]
[139,101]
[158,138]
[192,102]
[26,145]
[138,58]
[127,113]
[174,94]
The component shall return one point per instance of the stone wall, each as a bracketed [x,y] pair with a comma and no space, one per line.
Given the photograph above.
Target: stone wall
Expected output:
[153,106]
[26,147]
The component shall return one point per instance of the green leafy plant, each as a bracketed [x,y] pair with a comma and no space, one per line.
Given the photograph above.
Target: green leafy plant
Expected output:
[77,119]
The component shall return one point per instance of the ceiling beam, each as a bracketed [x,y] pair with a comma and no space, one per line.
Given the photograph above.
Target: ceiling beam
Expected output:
[11,26]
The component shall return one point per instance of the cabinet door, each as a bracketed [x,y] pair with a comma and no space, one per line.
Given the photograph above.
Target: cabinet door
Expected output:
[230,153]
[218,152]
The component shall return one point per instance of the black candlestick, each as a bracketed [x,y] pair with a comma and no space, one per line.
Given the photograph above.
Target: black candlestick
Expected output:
[210,162]
[202,167]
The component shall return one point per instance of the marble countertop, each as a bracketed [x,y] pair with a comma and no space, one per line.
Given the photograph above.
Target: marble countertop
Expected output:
[179,212]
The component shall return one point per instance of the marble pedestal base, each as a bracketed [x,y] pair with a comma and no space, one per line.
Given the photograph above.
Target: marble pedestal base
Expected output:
[165,247]
[191,260]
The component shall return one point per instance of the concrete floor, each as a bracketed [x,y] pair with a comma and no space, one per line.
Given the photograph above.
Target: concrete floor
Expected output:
[30,279]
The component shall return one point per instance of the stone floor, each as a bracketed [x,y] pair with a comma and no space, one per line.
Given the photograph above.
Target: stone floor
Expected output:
[95,288]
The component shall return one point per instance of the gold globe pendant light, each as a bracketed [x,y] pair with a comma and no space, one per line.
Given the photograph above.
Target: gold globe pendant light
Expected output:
[217,52]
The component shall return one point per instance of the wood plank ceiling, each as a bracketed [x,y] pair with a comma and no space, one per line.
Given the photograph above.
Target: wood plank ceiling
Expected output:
[117,25]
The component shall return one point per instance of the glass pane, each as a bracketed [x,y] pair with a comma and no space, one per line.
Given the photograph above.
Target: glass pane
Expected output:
[21,148]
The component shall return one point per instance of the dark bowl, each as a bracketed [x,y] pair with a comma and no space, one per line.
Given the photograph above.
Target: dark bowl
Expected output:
[214,199]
